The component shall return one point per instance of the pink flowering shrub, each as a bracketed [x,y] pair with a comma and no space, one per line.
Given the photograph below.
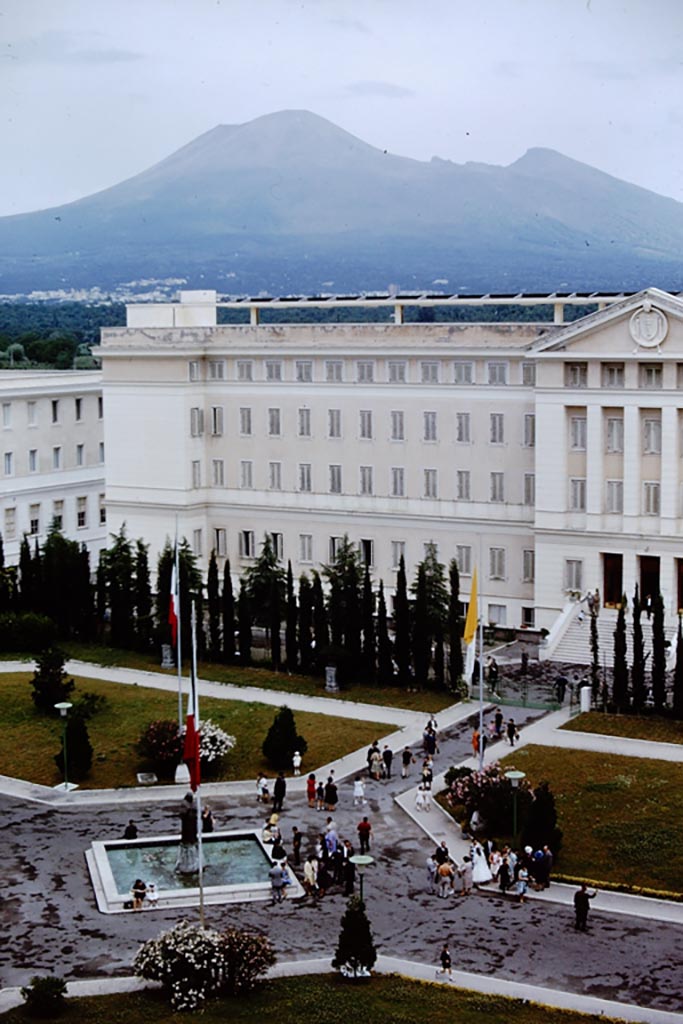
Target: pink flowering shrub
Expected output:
[161,747]
[491,794]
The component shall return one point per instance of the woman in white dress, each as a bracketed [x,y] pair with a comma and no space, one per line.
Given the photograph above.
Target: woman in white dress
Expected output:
[481,873]
[423,798]
[495,860]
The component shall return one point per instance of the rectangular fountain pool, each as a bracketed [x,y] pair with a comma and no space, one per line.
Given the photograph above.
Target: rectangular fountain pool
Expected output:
[236,866]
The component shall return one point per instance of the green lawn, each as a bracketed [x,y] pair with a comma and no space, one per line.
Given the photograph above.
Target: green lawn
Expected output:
[328,999]
[622,817]
[30,740]
[637,727]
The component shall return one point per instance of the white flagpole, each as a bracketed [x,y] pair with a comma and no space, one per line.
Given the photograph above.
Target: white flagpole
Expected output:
[481,687]
[178,646]
[195,704]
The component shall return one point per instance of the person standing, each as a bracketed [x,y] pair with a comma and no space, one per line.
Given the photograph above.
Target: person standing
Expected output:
[387,757]
[296,845]
[358,792]
[364,830]
[445,874]
[406,759]
[310,790]
[279,791]
[446,962]
[511,732]
[331,795]
[277,883]
[296,762]
[207,819]
[582,898]
[498,720]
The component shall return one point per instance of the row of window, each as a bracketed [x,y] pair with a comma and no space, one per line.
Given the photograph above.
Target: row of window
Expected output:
[651,434]
[364,371]
[57,414]
[614,496]
[366,424]
[650,376]
[57,461]
[36,512]
[366,484]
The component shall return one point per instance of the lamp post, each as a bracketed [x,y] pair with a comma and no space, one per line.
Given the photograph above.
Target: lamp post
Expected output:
[515,778]
[64,707]
[361,861]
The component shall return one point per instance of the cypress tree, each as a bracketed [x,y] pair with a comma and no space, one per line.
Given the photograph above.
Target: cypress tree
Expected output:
[291,616]
[265,582]
[120,576]
[455,664]
[25,576]
[214,608]
[275,607]
[638,666]
[335,606]
[305,623]
[402,627]
[421,633]
[620,673]
[228,610]
[678,674]
[244,624]
[282,740]
[368,627]
[78,748]
[595,658]
[189,590]
[143,597]
[355,947]
[101,595]
[321,630]
[37,582]
[385,664]
[5,588]
[658,654]
[439,668]
[85,609]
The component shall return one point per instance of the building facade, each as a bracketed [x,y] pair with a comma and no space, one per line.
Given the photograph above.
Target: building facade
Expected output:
[549,456]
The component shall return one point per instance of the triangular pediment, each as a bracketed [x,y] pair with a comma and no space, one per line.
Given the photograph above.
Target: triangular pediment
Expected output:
[647,323]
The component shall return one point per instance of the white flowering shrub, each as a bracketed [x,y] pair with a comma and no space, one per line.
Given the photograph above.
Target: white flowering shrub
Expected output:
[214,742]
[193,964]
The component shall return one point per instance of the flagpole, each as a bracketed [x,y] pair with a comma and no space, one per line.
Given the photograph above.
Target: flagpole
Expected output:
[195,705]
[178,658]
[481,686]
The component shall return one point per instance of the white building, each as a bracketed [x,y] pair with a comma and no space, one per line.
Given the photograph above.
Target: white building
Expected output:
[549,456]
[52,457]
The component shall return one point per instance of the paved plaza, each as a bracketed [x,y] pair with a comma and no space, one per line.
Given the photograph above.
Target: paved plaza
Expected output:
[631,953]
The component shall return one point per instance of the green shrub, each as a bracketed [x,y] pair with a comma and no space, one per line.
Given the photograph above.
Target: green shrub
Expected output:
[78,749]
[44,997]
[50,682]
[356,953]
[282,740]
[26,632]
[161,747]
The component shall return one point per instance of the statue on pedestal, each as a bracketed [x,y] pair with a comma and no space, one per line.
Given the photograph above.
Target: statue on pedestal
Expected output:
[188,854]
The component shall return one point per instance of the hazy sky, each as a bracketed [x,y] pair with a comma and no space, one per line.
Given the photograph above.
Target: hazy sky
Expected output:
[93,91]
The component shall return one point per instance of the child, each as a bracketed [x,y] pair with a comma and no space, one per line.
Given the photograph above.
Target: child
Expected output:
[152,895]
[319,796]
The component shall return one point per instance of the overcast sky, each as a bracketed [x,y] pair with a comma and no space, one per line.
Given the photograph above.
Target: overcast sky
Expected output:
[93,91]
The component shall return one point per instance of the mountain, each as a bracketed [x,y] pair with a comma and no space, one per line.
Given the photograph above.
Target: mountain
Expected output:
[291,203]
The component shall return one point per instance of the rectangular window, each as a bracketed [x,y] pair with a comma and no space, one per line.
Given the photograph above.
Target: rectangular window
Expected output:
[273,369]
[58,514]
[529,430]
[366,480]
[398,552]
[246,474]
[497,373]
[334,423]
[10,523]
[612,375]
[277,543]
[197,543]
[577,494]
[462,485]
[245,370]
[650,376]
[335,546]
[305,547]
[529,375]
[81,513]
[304,422]
[34,519]
[217,420]
[78,409]
[528,617]
[274,476]
[334,371]
[193,371]
[652,437]
[430,483]
[219,542]
[31,413]
[463,373]
[573,574]
[196,473]
[245,421]
[462,428]
[429,419]
[398,487]
[305,476]
[614,434]
[576,375]
[366,424]
[651,497]
[7,414]
[217,369]
[397,372]
[614,496]
[528,565]
[196,421]
[57,458]
[247,547]
[304,371]
[55,410]
[497,615]
[218,472]
[335,479]
[100,452]
[497,563]
[496,428]
[33,460]
[274,423]
[100,407]
[397,425]
[9,463]
[578,427]
[463,556]
[529,488]
[429,372]
[365,371]
[102,510]
[367,551]
[80,454]
[497,487]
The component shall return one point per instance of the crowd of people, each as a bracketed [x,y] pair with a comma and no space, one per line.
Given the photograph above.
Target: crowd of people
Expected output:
[512,872]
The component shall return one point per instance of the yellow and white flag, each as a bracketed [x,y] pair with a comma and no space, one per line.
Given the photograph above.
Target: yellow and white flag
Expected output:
[470,632]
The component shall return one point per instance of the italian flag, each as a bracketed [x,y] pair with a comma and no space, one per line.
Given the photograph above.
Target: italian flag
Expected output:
[191,753]
[173,605]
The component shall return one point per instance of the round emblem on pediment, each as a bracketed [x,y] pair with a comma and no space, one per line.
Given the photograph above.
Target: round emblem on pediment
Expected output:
[648,326]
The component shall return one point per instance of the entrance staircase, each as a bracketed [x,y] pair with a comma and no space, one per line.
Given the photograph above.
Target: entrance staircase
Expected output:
[572,645]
